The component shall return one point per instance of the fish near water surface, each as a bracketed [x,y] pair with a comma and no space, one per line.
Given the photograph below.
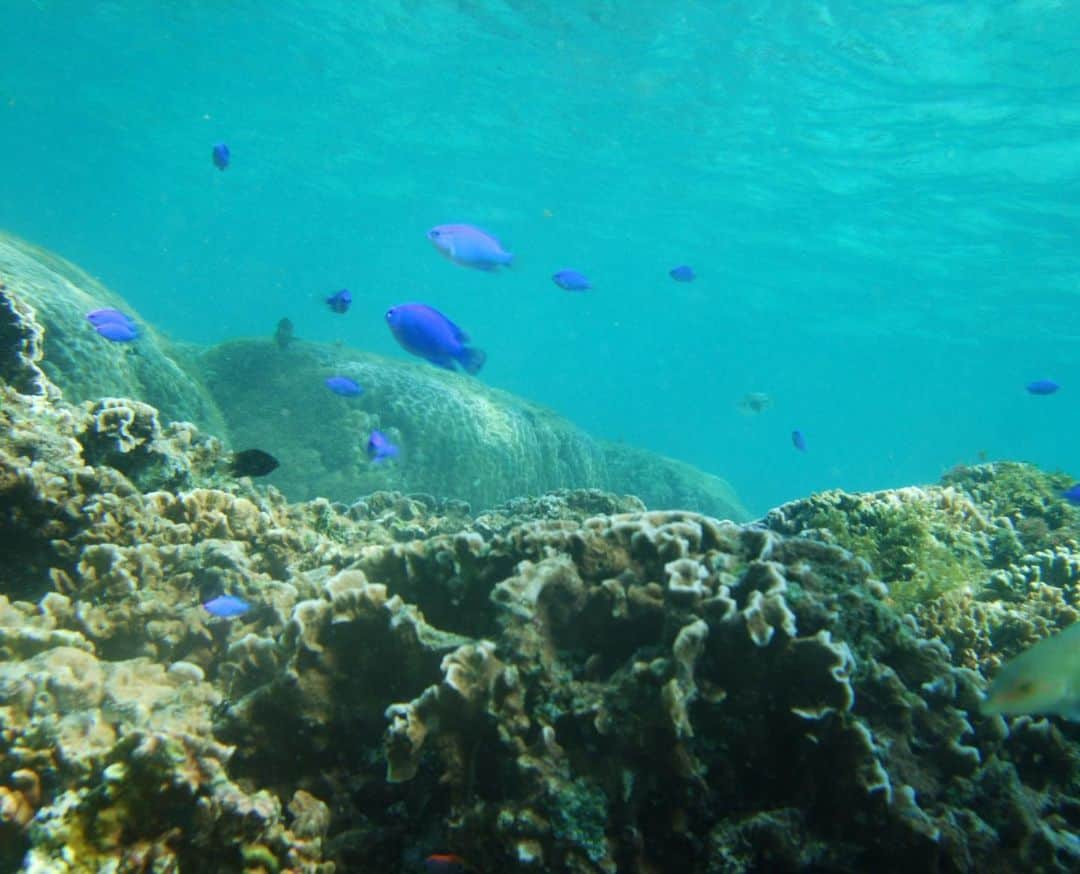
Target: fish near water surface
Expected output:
[470,246]
[428,334]
[1043,679]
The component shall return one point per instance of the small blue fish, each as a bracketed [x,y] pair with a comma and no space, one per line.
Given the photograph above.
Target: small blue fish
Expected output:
[226,606]
[340,301]
[118,332]
[1042,387]
[1072,494]
[342,385]
[380,449]
[470,247]
[220,154]
[427,333]
[798,440]
[682,273]
[100,317]
[571,280]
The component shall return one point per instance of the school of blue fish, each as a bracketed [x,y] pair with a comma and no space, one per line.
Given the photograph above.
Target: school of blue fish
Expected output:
[1040,680]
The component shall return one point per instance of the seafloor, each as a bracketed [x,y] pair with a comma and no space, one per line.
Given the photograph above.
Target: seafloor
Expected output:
[568,682]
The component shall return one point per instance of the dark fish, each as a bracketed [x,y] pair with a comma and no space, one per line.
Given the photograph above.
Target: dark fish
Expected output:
[682,273]
[283,335]
[252,462]
[380,449]
[220,154]
[340,301]
[226,606]
[342,385]
[1072,494]
[755,402]
[798,440]
[444,863]
[571,280]
[1043,387]
[427,333]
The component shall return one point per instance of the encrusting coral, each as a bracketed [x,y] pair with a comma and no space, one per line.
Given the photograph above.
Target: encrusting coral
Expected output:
[565,683]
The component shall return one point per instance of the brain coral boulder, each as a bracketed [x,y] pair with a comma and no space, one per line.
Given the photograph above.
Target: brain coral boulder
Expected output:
[44,333]
[458,437]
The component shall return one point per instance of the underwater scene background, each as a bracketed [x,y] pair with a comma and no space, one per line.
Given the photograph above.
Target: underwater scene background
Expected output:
[879,201]
[741,533]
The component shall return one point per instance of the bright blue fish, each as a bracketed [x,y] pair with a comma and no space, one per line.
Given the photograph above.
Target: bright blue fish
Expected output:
[118,332]
[380,449]
[470,247]
[1043,387]
[427,333]
[226,606]
[682,273]
[1072,494]
[342,385]
[798,440]
[100,317]
[571,280]
[340,301]
[220,154]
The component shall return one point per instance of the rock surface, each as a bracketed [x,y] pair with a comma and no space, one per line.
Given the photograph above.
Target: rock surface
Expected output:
[566,683]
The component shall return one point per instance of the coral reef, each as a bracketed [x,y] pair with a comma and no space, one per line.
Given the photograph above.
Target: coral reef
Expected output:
[43,331]
[458,437]
[569,682]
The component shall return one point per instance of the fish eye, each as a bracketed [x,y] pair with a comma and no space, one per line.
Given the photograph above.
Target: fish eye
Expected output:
[433,233]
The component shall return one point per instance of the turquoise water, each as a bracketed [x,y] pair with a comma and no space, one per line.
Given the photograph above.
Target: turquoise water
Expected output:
[882,202]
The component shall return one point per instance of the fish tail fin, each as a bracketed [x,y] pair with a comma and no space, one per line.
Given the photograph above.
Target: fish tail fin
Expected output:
[472,359]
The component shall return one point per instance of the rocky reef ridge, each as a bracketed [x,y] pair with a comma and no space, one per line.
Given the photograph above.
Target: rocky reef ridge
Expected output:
[564,683]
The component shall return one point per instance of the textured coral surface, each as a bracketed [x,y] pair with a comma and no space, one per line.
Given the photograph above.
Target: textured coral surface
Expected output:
[457,436]
[566,683]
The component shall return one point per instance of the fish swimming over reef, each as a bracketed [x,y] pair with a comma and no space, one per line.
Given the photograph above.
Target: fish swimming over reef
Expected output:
[220,155]
[682,273]
[427,333]
[571,280]
[252,462]
[226,606]
[1043,679]
[380,449]
[1072,494]
[283,334]
[340,301]
[342,385]
[113,325]
[470,246]
[798,440]
[1042,387]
